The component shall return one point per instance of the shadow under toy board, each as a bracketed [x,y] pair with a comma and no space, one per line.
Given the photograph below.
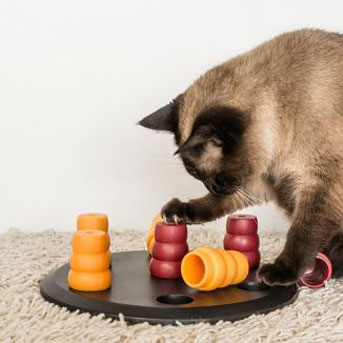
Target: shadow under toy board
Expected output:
[143,298]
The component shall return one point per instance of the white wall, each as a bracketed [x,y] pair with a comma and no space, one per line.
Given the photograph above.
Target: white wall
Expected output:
[75,76]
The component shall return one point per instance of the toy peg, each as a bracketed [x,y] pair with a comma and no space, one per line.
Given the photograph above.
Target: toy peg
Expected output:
[207,269]
[241,235]
[90,261]
[169,248]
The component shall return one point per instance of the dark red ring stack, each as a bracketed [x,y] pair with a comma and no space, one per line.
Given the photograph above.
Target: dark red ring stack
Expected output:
[169,249]
[241,235]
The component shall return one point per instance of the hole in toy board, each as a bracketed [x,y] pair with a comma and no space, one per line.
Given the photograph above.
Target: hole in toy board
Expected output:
[253,286]
[174,299]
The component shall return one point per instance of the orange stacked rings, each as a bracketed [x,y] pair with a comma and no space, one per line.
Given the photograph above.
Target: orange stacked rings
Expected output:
[151,234]
[90,261]
[207,269]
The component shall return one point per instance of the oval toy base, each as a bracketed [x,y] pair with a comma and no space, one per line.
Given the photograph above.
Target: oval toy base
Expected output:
[141,297]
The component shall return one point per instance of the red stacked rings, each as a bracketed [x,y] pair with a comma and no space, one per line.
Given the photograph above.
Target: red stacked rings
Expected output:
[169,249]
[242,236]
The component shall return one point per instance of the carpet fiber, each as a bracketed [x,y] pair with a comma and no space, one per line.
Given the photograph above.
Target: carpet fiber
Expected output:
[25,258]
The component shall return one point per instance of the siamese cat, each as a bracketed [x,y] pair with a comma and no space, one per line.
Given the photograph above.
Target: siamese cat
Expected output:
[268,126]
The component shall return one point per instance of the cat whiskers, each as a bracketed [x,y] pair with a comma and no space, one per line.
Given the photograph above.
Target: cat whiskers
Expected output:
[249,198]
[248,201]
[240,198]
[254,198]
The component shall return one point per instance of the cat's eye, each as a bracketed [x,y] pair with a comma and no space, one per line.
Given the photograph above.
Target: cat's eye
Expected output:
[217,142]
[193,172]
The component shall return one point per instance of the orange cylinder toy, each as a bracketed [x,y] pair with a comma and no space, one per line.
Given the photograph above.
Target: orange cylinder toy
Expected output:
[151,234]
[92,221]
[207,269]
[90,261]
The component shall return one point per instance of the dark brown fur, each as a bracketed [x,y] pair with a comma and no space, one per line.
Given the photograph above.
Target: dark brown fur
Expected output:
[268,126]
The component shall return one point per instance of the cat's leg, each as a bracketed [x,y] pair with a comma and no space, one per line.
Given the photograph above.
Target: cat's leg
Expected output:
[205,209]
[313,227]
[335,253]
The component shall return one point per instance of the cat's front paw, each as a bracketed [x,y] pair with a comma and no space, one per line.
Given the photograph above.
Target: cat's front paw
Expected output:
[176,211]
[277,273]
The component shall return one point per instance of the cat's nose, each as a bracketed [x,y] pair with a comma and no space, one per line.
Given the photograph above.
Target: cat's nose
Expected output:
[214,190]
[220,184]
[213,186]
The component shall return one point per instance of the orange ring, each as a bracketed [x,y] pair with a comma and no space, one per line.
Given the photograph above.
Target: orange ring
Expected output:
[90,263]
[193,269]
[242,265]
[92,221]
[157,218]
[90,242]
[151,245]
[89,282]
[231,267]
[148,240]
[151,233]
[218,266]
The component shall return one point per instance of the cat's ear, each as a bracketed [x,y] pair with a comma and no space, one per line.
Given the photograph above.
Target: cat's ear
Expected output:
[164,119]
[201,135]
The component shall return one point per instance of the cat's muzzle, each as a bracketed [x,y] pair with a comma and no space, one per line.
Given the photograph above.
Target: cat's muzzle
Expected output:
[221,185]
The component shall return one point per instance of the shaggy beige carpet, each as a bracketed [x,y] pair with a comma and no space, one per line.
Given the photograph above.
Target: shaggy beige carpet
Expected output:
[25,258]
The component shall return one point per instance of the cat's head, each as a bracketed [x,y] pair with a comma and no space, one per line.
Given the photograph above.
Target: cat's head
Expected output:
[211,142]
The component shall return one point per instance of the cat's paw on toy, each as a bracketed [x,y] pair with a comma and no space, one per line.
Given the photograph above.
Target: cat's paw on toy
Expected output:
[176,211]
